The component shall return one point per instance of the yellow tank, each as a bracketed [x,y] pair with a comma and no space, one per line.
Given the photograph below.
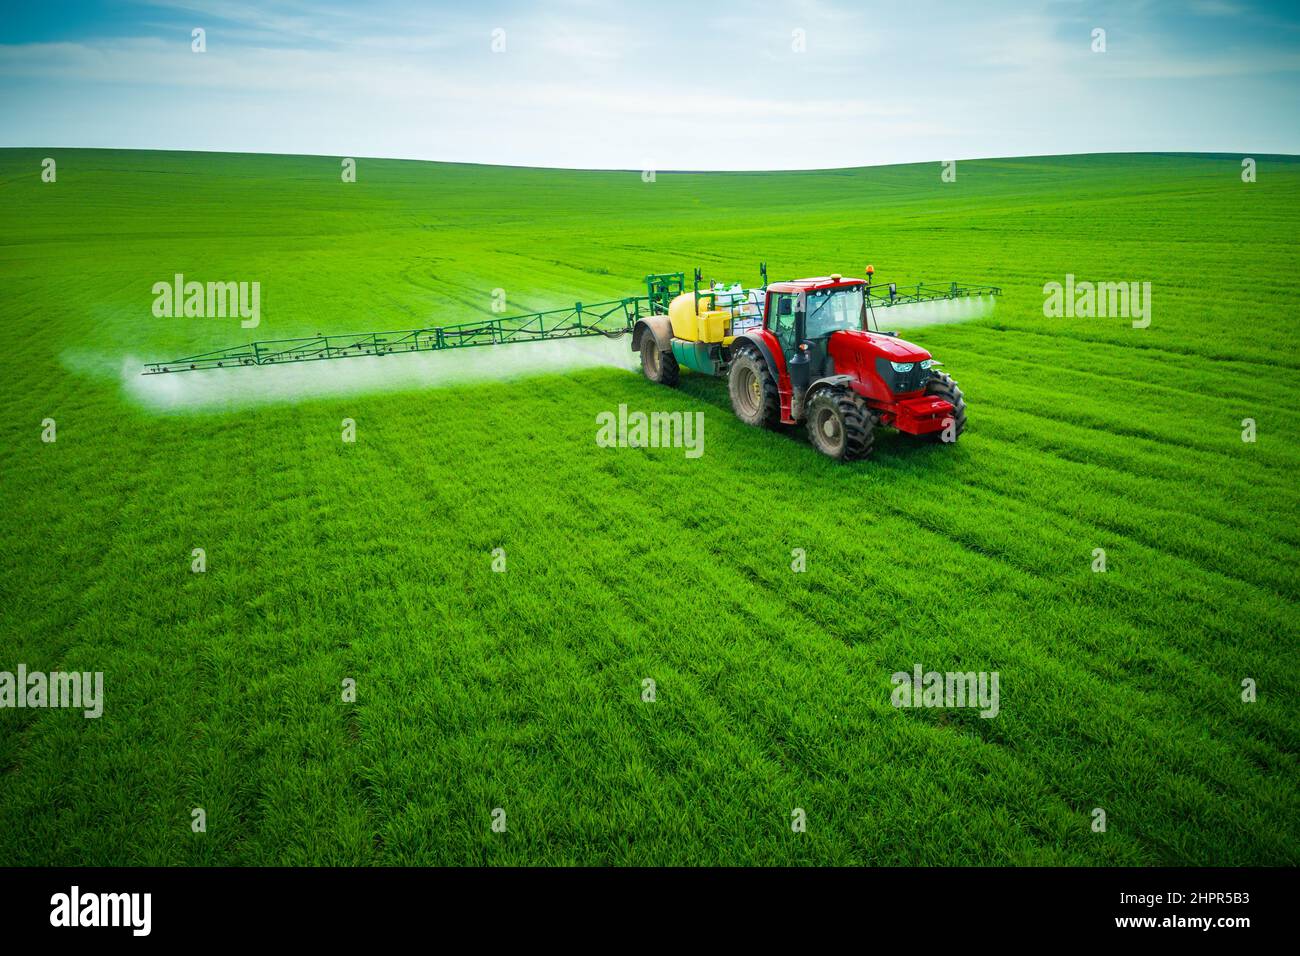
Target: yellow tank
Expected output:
[706,325]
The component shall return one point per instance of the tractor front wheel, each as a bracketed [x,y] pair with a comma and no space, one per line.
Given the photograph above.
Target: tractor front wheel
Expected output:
[840,425]
[753,390]
[659,366]
[941,385]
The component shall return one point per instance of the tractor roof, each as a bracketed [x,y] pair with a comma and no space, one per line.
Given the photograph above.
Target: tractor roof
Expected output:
[818,282]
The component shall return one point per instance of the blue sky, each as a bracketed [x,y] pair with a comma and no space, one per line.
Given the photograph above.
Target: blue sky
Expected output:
[668,85]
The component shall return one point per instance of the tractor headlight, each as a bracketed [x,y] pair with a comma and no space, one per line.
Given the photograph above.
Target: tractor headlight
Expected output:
[928,363]
[901,367]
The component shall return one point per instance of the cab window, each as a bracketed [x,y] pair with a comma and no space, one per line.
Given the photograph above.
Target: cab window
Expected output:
[782,320]
[833,309]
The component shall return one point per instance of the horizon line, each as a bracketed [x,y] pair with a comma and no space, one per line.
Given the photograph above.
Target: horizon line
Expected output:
[657,171]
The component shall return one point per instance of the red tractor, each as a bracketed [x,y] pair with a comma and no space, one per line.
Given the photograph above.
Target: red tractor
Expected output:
[809,350]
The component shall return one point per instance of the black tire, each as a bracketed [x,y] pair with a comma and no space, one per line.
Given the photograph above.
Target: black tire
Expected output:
[754,398]
[840,425]
[941,385]
[660,367]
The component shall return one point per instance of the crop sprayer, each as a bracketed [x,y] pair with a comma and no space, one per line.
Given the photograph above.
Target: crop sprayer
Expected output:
[803,351]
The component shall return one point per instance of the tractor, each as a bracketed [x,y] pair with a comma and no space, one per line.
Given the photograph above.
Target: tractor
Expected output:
[806,351]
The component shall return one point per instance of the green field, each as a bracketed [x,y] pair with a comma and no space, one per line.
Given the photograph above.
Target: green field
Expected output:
[522,690]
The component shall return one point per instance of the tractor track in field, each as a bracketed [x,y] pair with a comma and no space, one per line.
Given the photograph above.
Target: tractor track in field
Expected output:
[1073,457]
[1111,533]
[1196,362]
[1150,384]
[1158,363]
[1157,515]
[1164,467]
[1218,519]
[1110,428]
[1265,480]
[1149,347]
[1081,456]
[1127,533]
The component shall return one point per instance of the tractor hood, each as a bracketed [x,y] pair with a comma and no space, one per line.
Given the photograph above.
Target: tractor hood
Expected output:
[884,367]
[851,345]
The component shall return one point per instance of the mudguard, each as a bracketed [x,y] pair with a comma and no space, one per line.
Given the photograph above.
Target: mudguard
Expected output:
[755,339]
[829,381]
[657,325]
[799,403]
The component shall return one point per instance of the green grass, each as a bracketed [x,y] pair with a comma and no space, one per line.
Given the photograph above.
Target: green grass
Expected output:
[521,690]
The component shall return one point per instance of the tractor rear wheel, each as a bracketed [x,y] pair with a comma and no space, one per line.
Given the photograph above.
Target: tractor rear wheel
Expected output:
[941,385]
[659,366]
[753,390]
[840,425]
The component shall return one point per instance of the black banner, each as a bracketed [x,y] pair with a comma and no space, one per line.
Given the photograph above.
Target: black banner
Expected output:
[946,905]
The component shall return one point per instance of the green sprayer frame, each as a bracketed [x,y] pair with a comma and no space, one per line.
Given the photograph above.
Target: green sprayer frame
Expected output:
[613,318]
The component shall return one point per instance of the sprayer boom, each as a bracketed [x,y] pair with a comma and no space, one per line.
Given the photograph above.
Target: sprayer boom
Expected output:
[604,318]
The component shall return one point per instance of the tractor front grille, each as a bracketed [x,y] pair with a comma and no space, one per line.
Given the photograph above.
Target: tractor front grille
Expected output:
[901,382]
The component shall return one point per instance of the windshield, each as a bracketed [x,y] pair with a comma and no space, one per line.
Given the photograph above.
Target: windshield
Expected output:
[830,310]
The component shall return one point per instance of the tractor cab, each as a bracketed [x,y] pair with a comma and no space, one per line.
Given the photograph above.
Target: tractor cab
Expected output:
[805,313]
